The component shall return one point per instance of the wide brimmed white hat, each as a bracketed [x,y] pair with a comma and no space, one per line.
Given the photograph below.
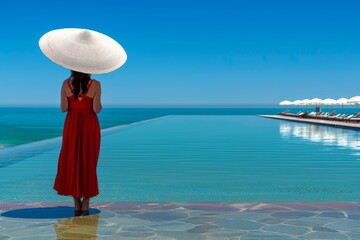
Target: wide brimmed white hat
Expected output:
[83,50]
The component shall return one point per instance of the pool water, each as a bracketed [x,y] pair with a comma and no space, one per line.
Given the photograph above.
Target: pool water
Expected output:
[205,158]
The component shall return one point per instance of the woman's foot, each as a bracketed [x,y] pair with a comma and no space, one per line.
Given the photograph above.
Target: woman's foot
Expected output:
[85,206]
[78,207]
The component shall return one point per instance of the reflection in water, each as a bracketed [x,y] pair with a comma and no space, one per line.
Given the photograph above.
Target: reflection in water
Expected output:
[77,227]
[316,133]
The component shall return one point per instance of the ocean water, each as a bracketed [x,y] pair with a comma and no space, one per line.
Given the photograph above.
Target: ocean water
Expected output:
[194,155]
[19,125]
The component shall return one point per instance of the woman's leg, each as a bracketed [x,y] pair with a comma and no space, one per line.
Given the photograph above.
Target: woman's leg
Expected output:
[85,206]
[77,202]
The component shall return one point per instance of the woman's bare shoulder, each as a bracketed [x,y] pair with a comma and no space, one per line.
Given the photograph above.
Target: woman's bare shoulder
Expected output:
[96,83]
[65,85]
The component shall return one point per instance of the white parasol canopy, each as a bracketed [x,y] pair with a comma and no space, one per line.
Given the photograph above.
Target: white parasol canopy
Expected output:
[305,102]
[355,100]
[329,101]
[316,101]
[285,103]
[342,102]
[296,102]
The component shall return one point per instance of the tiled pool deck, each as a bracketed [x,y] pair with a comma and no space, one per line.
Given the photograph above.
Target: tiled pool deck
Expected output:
[176,220]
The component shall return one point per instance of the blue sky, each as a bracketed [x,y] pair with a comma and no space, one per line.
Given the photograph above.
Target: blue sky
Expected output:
[191,52]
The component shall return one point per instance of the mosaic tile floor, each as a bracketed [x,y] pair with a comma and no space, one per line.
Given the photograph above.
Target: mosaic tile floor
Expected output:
[177,220]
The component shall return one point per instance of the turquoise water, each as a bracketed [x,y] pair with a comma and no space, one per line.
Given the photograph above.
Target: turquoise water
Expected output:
[205,158]
[25,125]
[19,125]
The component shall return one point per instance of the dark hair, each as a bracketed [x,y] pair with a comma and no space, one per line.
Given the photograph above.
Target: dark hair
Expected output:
[79,81]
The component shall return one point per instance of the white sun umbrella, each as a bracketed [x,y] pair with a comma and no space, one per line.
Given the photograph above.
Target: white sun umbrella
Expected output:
[329,101]
[355,100]
[305,102]
[296,103]
[285,103]
[316,101]
[342,102]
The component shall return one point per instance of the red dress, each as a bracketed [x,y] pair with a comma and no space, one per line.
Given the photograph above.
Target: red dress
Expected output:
[76,175]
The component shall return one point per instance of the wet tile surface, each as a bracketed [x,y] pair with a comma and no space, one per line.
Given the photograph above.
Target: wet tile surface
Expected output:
[181,220]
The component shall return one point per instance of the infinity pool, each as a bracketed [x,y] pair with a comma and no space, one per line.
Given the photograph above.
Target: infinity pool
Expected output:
[202,158]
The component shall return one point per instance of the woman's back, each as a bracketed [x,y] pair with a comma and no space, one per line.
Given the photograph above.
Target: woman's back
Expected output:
[90,99]
[84,100]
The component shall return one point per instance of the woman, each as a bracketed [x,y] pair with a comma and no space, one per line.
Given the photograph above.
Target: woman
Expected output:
[85,52]
[76,174]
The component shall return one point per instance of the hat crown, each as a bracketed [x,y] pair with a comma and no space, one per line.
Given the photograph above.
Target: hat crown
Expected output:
[85,35]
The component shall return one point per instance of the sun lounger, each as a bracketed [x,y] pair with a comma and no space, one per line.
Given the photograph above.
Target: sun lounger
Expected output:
[311,115]
[301,114]
[341,117]
[319,115]
[323,115]
[333,117]
[286,112]
[347,119]
[353,119]
[332,113]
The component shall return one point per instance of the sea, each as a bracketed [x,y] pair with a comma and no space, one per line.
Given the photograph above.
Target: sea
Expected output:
[21,125]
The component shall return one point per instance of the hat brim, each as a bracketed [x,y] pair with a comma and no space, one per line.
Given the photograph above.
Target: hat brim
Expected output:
[83,50]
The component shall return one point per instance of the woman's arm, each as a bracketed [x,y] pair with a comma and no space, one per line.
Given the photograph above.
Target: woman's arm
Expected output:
[97,98]
[64,101]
